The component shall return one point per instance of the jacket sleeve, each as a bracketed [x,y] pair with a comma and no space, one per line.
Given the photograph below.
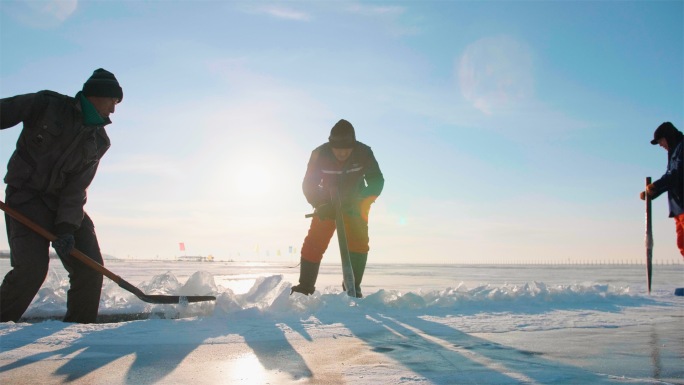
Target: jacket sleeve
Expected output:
[374,179]
[661,186]
[313,191]
[673,175]
[15,109]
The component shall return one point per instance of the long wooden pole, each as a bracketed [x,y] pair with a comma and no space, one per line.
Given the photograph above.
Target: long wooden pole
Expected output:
[649,237]
[347,270]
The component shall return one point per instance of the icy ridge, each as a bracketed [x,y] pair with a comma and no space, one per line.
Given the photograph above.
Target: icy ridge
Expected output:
[271,295]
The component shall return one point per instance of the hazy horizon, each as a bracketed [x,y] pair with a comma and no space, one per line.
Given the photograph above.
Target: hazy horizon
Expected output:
[504,132]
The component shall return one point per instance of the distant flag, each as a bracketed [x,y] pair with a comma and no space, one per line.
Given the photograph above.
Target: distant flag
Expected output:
[182,246]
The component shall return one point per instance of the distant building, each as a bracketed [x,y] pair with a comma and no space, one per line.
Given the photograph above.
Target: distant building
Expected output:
[196,258]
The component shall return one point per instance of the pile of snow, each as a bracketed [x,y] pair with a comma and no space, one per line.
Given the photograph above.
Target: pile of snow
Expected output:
[271,296]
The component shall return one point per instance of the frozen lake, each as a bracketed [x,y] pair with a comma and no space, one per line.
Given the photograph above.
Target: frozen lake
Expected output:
[418,324]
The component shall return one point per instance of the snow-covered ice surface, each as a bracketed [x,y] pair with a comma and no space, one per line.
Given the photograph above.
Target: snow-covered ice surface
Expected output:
[418,324]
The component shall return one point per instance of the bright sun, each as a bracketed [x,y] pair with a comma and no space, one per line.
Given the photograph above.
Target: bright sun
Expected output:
[253,181]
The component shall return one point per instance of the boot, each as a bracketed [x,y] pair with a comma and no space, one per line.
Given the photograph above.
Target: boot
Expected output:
[308,273]
[358,262]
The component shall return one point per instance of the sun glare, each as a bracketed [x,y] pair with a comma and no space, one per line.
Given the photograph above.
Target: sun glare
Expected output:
[248,370]
[253,181]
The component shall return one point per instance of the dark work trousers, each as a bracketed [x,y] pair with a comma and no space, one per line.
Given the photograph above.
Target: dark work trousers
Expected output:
[321,231]
[29,257]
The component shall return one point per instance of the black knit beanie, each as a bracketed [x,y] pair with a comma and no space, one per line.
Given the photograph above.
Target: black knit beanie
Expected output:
[103,83]
[342,135]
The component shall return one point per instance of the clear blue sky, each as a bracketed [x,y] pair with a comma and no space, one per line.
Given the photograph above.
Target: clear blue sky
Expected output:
[507,131]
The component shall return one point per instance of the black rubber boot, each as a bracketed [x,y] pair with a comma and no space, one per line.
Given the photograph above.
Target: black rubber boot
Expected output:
[358,262]
[308,273]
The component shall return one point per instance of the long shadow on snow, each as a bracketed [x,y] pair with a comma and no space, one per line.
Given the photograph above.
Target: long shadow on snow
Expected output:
[419,355]
[274,352]
[96,349]
[444,355]
[521,364]
[31,333]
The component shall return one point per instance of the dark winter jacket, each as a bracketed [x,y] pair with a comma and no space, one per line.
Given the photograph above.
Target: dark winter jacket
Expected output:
[673,180]
[56,155]
[359,176]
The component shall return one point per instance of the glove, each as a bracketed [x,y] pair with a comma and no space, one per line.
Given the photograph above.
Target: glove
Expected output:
[64,244]
[650,190]
[325,211]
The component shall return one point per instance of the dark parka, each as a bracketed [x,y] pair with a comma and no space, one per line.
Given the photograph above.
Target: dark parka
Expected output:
[672,181]
[56,155]
[360,178]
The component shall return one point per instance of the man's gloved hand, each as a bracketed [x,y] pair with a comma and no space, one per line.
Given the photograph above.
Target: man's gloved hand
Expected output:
[65,238]
[325,211]
[650,190]
[64,244]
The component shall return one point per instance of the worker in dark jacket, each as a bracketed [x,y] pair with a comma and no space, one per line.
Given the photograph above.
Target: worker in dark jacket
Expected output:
[56,157]
[350,165]
[672,182]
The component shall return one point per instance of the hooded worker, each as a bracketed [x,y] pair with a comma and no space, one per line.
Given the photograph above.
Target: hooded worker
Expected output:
[350,168]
